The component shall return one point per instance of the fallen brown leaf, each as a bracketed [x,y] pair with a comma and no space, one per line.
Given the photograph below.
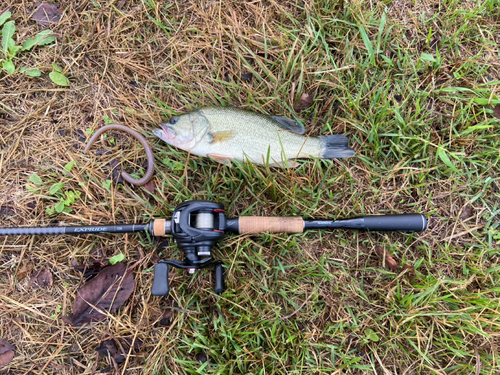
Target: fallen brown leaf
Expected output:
[117,171]
[247,77]
[47,14]
[387,257]
[41,279]
[127,343]
[106,371]
[410,268]
[467,212]
[154,259]
[166,317]
[6,353]
[25,270]
[80,136]
[119,352]
[496,111]
[57,366]
[75,348]
[88,270]
[250,59]
[97,254]
[6,210]
[150,187]
[106,292]
[304,102]
[108,348]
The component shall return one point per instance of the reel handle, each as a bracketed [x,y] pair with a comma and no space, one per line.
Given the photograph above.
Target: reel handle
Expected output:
[161,286]
[160,280]
[219,279]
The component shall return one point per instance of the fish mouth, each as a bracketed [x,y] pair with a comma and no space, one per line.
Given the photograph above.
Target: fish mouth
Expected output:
[165,131]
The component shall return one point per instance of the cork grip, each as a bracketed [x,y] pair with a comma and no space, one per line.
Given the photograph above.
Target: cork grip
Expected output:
[257,224]
[159,227]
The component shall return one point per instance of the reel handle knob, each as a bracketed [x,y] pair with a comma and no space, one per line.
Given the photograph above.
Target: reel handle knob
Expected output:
[219,279]
[160,280]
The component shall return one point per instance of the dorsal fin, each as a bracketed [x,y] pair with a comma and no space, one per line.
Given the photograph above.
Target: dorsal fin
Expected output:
[289,124]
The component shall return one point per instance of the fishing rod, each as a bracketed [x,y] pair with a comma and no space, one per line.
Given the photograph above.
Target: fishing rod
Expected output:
[197,226]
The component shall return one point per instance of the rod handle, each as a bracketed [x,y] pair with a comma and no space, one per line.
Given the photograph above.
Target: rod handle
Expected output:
[160,280]
[259,224]
[401,223]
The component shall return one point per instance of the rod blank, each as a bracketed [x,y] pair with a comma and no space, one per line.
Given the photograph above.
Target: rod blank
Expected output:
[29,231]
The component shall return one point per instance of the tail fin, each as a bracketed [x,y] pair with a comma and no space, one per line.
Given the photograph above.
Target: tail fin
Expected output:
[335,147]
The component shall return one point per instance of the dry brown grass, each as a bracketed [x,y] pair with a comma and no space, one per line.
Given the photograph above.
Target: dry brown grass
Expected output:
[125,67]
[113,60]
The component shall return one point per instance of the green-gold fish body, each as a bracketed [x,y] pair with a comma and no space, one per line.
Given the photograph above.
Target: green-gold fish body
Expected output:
[227,133]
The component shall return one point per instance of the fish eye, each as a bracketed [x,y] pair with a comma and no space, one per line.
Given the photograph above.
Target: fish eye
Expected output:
[174,120]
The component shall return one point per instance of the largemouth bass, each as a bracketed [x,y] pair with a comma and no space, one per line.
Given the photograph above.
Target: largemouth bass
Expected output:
[227,133]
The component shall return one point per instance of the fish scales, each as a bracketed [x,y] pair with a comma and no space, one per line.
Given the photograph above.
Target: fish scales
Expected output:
[227,133]
[253,135]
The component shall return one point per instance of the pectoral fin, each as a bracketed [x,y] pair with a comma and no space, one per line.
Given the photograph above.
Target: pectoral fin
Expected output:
[289,124]
[223,159]
[221,136]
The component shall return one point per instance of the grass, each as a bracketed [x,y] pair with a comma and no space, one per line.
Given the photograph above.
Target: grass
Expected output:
[413,85]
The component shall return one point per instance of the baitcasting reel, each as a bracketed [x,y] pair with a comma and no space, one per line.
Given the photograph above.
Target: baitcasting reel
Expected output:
[196,227]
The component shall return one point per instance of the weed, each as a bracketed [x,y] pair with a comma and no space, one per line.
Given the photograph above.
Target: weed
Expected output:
[58,77]
[56,192]
[10,50]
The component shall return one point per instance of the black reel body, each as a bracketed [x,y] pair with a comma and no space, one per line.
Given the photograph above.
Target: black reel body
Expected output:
[196,227]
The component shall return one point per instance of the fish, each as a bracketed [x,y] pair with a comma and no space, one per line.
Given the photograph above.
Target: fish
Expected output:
[229,133]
